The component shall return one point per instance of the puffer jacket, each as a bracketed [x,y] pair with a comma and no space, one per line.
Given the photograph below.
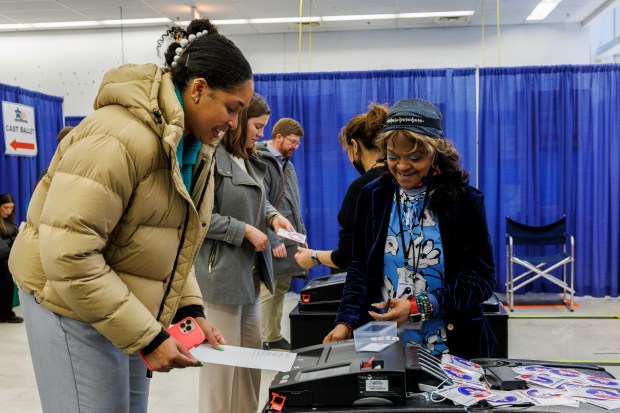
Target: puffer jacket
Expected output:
[112,232]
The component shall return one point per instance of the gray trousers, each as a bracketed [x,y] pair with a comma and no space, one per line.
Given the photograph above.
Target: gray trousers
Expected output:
[79,370]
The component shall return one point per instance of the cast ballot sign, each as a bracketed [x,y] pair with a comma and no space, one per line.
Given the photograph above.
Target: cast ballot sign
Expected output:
[20,133]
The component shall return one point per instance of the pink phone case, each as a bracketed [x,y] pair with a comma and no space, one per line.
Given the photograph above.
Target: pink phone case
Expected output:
[187,333]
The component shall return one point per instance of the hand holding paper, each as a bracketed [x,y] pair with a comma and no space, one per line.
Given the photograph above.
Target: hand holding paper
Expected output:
[279,222]
[245,357]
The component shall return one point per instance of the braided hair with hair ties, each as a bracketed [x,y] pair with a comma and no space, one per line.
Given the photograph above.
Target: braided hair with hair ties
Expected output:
[205,54]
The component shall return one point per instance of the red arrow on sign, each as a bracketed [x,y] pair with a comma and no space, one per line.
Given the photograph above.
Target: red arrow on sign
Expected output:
[21,145]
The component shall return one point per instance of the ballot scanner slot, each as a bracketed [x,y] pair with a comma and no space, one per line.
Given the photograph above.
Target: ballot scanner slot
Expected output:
[326,372]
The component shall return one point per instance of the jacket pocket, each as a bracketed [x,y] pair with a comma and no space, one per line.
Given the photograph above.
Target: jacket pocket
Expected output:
[212,257]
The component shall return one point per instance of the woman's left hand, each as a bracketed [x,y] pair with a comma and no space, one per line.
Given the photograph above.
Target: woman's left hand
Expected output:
[212,334]
[399,311]
[303,256]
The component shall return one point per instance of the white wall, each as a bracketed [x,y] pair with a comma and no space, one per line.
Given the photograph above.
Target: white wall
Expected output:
[71,63]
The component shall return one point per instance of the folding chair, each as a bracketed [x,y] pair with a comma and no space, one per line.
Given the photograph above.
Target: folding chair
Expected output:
[538,266]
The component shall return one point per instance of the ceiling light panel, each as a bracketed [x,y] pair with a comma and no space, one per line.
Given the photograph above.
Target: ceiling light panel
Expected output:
[358,17]
[543,9]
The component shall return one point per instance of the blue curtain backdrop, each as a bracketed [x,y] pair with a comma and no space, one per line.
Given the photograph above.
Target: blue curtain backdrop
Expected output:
[549,147]
[324,102]
[73,120]
[18,174]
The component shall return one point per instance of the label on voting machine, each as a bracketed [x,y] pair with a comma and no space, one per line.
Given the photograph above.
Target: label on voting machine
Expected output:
[295,236]
[245,357]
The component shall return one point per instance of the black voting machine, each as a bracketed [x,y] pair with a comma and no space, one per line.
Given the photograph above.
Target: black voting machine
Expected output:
[314,315]
[335,374]
[334,378]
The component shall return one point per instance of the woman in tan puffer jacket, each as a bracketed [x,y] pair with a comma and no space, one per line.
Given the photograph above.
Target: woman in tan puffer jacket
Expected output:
[104,263]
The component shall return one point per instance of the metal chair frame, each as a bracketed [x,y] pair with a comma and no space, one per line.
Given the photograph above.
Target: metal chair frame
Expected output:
[539,269]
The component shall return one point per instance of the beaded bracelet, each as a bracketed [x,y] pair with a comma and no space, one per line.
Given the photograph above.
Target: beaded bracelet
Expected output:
[430,306]
[347,325]
[425,307]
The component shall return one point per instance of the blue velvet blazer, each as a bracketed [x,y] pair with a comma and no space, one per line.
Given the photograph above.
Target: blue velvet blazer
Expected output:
[469,267]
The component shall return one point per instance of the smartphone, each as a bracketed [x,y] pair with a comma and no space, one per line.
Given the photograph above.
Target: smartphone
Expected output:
[187,332]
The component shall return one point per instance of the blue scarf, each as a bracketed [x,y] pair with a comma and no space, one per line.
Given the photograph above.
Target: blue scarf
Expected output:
[187,151]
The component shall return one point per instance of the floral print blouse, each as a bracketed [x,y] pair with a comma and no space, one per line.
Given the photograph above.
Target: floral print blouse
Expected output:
[417,266]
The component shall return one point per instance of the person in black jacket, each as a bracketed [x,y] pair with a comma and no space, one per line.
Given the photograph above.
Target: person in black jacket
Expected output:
[422,253]
[357,138]
[8,233]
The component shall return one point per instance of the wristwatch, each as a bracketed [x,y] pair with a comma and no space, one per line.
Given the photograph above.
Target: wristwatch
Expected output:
[414,315]
[315,258]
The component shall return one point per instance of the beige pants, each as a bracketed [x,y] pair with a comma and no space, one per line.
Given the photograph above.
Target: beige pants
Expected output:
[225,389]
[272,307]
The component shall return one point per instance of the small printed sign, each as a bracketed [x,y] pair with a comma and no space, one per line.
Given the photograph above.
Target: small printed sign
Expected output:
[377,385]
[20,133]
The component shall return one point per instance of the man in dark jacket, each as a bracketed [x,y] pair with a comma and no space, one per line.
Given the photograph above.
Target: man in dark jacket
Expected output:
[283,193]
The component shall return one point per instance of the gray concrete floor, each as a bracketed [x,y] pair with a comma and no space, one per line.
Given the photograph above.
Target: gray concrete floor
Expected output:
[587,339]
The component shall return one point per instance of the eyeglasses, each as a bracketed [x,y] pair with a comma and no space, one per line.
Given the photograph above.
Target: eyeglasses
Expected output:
[293,141]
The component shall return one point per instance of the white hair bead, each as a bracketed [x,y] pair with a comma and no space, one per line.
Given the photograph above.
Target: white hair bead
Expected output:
[184,42]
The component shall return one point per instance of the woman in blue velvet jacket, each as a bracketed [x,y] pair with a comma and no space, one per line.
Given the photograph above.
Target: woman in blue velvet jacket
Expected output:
[422,253]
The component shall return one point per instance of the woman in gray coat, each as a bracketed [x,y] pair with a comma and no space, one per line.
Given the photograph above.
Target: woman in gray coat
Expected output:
[235,258]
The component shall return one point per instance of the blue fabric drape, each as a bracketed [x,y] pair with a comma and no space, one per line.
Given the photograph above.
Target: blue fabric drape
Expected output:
[324,102]
[73,120]
[18,174]
[548,147]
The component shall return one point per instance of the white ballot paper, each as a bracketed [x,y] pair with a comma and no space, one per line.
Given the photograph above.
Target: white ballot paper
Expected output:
[295,236]
[245,357]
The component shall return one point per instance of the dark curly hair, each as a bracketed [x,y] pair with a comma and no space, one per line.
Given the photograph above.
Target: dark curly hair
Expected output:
[448,185]
[211,56]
